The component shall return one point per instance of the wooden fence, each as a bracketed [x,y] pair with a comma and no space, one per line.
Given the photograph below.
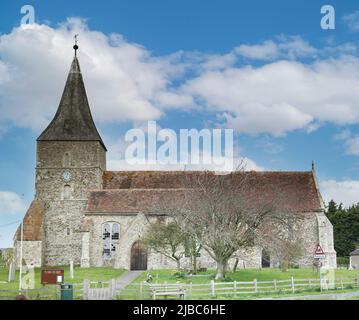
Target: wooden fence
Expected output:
[99,290]
[107,290]
[244,289]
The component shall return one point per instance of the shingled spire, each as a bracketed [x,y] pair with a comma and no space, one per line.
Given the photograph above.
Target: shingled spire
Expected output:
[73,120]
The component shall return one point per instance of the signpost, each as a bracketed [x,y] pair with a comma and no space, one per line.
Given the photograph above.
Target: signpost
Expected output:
[318,255]
[52,276]
[319,252]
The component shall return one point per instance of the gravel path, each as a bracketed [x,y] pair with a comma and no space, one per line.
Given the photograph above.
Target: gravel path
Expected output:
[126,279]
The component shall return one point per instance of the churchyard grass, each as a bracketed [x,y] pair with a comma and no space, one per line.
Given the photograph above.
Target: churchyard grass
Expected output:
[202,280]
[202,283]
[80,274]
[268,274]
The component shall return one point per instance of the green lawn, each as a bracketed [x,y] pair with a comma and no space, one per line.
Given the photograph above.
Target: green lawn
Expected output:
[165,275]
[201,287]
[92,274]
[200,282]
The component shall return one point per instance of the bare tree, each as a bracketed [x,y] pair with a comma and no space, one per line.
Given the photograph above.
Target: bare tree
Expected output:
[166,239]
[192,250]
[223,214]
[288,252]
[280,240]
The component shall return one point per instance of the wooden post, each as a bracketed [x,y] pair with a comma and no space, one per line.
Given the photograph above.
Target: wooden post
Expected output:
[292,284]
[86,289]
[235,288]
[113,288]
[341,283]
[190,290]
[255,285]
[275,285]
[310,283]
[213,289]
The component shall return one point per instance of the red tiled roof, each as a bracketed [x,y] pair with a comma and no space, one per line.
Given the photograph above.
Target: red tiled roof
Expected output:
[143,179]
[144,190]
[33,223]
[130,200]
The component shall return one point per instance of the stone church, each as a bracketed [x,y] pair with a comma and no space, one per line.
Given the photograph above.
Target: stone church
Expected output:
[94,217]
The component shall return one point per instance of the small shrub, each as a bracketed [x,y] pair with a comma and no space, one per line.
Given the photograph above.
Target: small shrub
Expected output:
[178,274]
[227,279]
[343,261]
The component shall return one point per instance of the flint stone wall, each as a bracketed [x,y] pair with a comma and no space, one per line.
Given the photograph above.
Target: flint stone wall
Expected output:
[31,253]
[62,218]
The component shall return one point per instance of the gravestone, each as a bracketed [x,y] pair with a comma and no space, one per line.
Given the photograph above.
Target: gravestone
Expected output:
[71,269]
[12,271]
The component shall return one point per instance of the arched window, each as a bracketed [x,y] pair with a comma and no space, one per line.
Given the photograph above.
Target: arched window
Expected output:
[115,235]
[67,192]
[110,237]
[106,233]
[67,159]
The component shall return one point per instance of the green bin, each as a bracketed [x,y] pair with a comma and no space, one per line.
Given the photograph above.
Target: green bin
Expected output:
[67,292]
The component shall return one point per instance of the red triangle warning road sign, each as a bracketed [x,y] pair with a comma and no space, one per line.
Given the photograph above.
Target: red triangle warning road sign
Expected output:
[319,250]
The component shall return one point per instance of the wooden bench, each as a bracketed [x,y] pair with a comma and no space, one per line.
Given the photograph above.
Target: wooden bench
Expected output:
[166,290]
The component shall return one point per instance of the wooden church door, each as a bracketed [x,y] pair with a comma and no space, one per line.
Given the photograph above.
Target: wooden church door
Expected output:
[138,256]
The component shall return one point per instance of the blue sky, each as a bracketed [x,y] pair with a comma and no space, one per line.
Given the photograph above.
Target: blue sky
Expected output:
[265,68]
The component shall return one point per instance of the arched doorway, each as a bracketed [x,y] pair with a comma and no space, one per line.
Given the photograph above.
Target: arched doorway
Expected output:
[138,256]
[265,259]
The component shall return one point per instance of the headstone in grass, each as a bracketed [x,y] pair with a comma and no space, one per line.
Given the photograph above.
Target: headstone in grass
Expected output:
[71,269]
[12,271]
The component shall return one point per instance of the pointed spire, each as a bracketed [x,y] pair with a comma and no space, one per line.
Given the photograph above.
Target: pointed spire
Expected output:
[73,120]
[76,37]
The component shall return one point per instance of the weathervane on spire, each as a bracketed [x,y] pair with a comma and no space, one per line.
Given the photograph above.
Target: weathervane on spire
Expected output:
[76,37]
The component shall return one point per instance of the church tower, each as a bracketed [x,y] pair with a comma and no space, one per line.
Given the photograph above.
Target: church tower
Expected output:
[70,160]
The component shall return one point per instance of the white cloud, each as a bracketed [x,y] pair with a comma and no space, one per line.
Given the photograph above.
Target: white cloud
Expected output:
[117,149]
[352,20]
[353,146]
[267,50]
[282,96]
[125,82]
[351,142]
[122,165]
[343,135]
[11,203]
[346,192]
[123,79]
[284,47]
